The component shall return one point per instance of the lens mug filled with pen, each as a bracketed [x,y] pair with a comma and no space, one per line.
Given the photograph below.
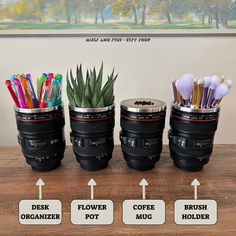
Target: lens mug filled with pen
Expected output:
[194,119]
[142,123]
[40,121]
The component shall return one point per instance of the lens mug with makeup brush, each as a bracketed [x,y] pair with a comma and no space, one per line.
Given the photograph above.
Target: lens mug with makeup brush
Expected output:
[191,136]
[194,119]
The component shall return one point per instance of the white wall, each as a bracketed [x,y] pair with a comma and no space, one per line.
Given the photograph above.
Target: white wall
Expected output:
[145,70]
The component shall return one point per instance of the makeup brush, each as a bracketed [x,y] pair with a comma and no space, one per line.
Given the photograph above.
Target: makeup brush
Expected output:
[220,92]
[200,83]
[229,83]
[185,88]
[213,84]
[207,80]
[174,88]
[194,93]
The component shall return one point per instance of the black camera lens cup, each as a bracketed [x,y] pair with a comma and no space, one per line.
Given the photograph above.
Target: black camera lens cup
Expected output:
[92,136]
[41,136]
[142,122]
[191,136]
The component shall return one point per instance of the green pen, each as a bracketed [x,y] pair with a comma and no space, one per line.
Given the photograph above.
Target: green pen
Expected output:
[40,80]
[58,90]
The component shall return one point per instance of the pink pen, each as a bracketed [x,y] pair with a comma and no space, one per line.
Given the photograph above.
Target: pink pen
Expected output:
[18,86]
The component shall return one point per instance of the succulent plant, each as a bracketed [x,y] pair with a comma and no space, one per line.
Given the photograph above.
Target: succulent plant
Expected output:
[89,93]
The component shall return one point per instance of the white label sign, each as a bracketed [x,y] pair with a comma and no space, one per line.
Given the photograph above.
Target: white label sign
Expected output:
[92,212]
[40,212]
[143,212]
[195,212]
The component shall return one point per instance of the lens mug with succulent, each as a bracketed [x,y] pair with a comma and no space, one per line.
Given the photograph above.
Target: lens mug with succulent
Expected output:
[142,123]
[40,119]
[194,119]
[91,108]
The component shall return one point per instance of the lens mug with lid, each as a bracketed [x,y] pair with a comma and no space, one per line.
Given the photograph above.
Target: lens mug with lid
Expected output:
[142,124]
[41,136]
[92,135]
[191,136]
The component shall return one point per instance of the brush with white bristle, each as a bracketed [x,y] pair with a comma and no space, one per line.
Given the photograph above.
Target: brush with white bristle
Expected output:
[229,83]
[220,92]
[215,81]
[185,88]
[206,84]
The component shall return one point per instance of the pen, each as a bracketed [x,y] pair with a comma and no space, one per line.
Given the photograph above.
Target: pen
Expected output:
[13,95]
[28,96]
[40,80]
[20,93]
[43,98]
[33,95]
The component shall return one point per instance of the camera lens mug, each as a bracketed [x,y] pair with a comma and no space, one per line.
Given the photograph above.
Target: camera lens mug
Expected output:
[92,136]
[41,136]
[142,124]
[191,136]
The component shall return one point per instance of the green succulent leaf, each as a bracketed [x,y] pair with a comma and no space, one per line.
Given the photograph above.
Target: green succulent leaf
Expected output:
[99,80]
[80,79]
[90,93]
[69,90]
[112,74]
[101,103]
[85,102]
[92,81]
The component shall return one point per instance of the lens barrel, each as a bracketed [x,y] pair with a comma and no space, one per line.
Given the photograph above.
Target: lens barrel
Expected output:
[142,123]
[92,136]
[191,136]
[41,136]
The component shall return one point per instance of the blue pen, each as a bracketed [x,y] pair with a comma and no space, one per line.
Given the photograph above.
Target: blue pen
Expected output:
[34,98]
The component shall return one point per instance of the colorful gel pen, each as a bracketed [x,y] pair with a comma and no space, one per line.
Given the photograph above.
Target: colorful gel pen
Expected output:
[13,95]
[40,81]
[33,95]
[43,98]
[58,91]
[20,92]
[28,96]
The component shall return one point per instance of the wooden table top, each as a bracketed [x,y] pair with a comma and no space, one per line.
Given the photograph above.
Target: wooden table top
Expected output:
[118,183]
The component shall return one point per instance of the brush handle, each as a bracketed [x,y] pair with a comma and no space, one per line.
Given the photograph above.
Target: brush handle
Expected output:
[204,97]
[210,98]
[215,102]
[186,102]
[174,90]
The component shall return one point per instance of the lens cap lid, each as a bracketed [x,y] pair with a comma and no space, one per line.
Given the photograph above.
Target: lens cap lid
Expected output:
[143,105]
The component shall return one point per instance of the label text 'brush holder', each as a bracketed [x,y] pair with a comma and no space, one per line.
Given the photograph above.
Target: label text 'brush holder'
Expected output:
[191,136]
[92,136]
[41,136]
[142,123]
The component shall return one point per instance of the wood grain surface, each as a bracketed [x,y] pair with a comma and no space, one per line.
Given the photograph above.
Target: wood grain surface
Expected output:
[118,182]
